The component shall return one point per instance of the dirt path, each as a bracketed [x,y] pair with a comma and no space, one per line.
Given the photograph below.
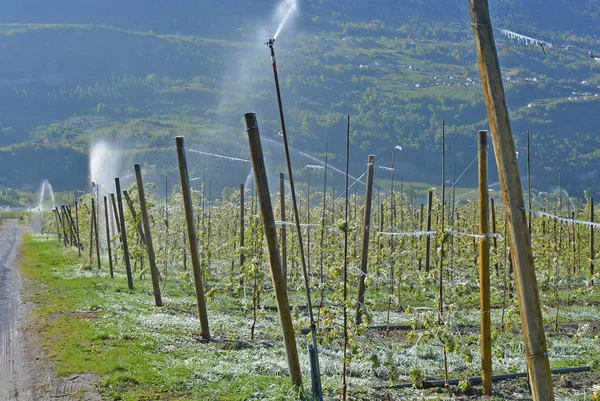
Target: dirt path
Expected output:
[12,374]
[26,374]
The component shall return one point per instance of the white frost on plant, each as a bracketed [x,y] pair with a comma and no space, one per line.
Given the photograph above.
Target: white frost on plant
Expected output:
[527,39]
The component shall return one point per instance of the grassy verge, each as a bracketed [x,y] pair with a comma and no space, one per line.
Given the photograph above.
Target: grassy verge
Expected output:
[90,323]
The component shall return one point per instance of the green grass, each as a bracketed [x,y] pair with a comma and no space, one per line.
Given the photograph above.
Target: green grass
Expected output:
[82,331]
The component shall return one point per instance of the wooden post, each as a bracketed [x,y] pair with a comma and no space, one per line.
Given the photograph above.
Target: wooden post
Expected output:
[138,222]
[149,246]
[428,239]
[573,244]
[110,263]
[75,229]
[194,253]
[512,194]
[493,207]
[123,232]
[71,236]
[92,220]
[72,229]
[484,269]
[80,247]
[420,240]
[62,227]
[117,223]
[283,230]
[591,238]
[115,213]
[57,224]
[529,181]
[364,254]
[266,211]
[242,234]
[95,220]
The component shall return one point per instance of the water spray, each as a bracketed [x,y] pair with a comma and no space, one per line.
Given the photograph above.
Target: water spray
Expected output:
[292,8]
[312,348]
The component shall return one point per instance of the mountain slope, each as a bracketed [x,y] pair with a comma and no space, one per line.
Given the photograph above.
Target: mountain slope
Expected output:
[399,70]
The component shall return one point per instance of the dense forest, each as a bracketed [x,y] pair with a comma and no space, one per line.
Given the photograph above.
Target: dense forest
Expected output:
[139,73]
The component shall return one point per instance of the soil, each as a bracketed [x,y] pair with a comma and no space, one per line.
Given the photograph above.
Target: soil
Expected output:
[26,372]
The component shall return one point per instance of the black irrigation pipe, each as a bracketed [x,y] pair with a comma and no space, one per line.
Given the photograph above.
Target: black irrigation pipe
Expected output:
[397,328]
[477,379]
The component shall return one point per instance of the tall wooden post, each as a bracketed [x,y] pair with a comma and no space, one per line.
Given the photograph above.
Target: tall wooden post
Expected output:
[110,262]
[80,247]
[266,211]
[138,222]
[62,226]
[75,229]
[493,208]
[529,181]
[71,236]
[123,232]
[484,269]
[115,212]
[591,238]
[149,246]
[283,229]
[364,254]
[242,234]
[194,253]
[512,194]
[117,222]
[428,239]
[57,224]
[69,217]
[420,240]
[95,220]
[92,221]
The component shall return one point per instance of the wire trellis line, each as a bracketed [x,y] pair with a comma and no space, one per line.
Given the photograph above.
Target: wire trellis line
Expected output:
[564,219]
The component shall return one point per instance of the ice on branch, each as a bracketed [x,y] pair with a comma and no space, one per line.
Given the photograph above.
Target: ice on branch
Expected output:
[527,39]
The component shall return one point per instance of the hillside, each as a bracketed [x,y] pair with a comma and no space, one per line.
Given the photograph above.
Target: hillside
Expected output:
[141,75]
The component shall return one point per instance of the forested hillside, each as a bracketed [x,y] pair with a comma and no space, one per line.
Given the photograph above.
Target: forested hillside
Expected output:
[142,72]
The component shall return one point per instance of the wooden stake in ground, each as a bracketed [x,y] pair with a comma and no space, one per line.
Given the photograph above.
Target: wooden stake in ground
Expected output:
[283,230]
[75,228]
[138,222]
[92,220]
[484,269]
[428,240]
[591,238]
[493,209]
[80,247]
[148,236]
[95,221]
[57,224]
[512,195]
[364,254]
[194,253]
[242,235]
[117,223]
[110,263]
[123,232]
[71,236]
[62,225]
[266,211]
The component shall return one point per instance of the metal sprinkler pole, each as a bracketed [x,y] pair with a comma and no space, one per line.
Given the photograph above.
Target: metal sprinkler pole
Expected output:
[316,375]
[323,227]
[344,359]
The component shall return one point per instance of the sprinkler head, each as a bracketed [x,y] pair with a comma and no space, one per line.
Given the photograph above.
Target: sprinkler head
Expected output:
[270,44]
